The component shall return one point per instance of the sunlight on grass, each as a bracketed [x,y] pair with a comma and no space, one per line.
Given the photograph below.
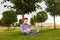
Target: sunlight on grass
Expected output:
[47,34]
[34,28]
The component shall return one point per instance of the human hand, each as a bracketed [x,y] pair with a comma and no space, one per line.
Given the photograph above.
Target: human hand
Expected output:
[28,30]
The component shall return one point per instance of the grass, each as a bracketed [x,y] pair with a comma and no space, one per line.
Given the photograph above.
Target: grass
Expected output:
[47,34]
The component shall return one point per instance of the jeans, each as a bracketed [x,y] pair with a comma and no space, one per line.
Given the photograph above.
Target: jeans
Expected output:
[32,32]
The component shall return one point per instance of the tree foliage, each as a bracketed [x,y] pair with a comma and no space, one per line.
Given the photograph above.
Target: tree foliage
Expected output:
[20,21]
[33,20]
[41,16]
[1,23]
[24,6]
[53,6]
[9,17]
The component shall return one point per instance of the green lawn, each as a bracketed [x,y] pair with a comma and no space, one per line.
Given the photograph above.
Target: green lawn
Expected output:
[48,34]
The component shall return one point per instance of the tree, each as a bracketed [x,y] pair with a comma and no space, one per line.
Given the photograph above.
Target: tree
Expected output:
[41,17]
[9,17]
[54,8]
[1,23]
[23,6]
[20,22]
[33,21]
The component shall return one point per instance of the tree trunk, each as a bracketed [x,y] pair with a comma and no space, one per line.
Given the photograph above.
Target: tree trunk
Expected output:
[14,27]
[8,27]
[22,17]
[41,25]
[38,24]
[54,23]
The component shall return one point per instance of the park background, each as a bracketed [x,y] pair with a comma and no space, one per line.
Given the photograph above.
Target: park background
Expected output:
[43,15]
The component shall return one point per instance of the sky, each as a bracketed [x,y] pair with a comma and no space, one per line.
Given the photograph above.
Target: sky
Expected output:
[49,20]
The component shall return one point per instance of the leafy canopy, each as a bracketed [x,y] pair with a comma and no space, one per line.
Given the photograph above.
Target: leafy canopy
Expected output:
[41,16]
[24,6]
[9,17]
[33,20]
[53,6]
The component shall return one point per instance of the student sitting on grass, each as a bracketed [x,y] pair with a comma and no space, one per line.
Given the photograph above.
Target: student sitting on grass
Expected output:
[25,28]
